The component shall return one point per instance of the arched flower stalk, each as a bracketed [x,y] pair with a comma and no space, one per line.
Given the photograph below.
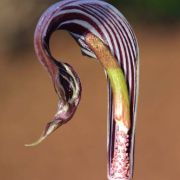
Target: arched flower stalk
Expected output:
[104,34]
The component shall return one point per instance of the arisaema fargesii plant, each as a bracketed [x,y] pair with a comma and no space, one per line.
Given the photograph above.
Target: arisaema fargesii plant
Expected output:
[103,33]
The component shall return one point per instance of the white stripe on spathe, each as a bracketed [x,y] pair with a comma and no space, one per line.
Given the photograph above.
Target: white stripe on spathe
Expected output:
[124,24]
[95,20]
[104,25]
[82,23]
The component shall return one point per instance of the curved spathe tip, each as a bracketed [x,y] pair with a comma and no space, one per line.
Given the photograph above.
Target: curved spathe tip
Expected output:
[36,142]
[51,127]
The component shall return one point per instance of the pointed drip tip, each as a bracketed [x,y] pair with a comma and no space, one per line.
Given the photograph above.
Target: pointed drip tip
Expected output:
[51,127]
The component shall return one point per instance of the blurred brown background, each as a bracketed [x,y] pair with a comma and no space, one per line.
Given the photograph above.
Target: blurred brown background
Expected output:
[78,150]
